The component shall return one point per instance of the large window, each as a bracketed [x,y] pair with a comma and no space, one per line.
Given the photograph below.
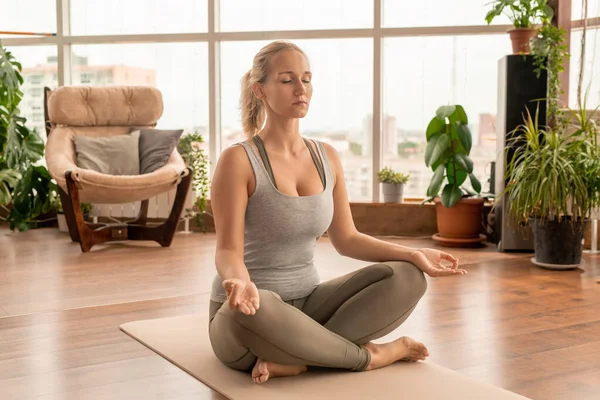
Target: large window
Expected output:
[341,107]
[19,16]
[178,70]
[277,15]
[400,13]
[39,70]
[114,17]
[432,53]
[593,9]
[591,68]
[421,74]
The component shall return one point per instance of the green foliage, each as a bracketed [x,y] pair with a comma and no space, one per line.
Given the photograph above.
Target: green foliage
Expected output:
[549,52]
[356,148]
[388,175]
[190,149]
[8,180]
[407,149]
[449,143]
[23,183]
[554,173]
[522,13]
[32,197]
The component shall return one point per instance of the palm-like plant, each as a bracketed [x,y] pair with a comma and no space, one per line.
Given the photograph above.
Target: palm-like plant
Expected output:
[554,174]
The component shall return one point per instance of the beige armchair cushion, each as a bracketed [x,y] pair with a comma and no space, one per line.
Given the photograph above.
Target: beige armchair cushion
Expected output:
[105,106]
[106,112]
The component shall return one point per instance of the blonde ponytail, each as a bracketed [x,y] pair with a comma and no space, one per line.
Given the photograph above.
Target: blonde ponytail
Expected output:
[252,109]
[253,112]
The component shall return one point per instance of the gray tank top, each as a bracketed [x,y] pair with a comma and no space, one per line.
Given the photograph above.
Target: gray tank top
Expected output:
[281,232]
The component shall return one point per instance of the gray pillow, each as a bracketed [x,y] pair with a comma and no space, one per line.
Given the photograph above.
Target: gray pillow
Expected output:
[156,146]
[111,155]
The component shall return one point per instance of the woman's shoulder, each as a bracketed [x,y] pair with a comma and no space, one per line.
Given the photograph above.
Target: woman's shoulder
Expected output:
[234,157]
[330,151]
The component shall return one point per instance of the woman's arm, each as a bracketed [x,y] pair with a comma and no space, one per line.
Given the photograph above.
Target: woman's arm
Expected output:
[344,236]
[229,198]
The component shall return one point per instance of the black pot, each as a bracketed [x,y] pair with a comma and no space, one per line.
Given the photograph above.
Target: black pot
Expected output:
[558,242]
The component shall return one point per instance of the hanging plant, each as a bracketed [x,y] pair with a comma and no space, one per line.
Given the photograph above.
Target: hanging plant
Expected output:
[550,53]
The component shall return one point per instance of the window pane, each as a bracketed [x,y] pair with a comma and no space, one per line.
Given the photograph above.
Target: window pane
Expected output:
[113,17]
[183,84]
[416,83]
[591,70]
[39,70]
[593,8]
[340,107]
[17,16]
[437,13]
[265,15]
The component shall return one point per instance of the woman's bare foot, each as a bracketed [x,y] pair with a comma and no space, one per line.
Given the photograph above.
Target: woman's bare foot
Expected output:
[263,370]
[403,349]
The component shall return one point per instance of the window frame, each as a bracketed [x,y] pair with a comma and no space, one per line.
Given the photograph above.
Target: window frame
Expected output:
[63,40]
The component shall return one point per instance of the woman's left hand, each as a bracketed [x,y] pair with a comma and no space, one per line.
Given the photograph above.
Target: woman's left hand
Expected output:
[430,262]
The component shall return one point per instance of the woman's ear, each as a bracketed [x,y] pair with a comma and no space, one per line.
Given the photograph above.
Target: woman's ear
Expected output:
[258,90]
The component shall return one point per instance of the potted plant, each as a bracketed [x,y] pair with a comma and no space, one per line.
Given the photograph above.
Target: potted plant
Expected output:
[190,148]
[459,208]
[60,214]
[554,184]
[525,16]
[554,175]
[86,208]
[25,186]
[392,183]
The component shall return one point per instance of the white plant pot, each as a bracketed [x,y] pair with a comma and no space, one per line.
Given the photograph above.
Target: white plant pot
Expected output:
[393,192]
[62,223]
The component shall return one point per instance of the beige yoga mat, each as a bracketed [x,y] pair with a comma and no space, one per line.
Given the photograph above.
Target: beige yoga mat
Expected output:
[184,341]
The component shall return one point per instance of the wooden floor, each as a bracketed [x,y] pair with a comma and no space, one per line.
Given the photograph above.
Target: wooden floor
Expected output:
[529,330]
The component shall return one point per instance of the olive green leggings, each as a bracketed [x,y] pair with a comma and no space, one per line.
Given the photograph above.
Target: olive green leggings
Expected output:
[324,329]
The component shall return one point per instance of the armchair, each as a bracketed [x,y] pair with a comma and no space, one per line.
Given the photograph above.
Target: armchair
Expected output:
[105,112]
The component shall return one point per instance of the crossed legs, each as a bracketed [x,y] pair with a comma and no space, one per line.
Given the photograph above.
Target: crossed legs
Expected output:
[333,326]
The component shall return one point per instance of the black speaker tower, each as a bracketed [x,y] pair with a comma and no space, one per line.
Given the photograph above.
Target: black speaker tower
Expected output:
[519,90]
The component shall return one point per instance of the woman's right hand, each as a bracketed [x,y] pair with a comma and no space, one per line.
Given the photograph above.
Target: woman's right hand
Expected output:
[242,295]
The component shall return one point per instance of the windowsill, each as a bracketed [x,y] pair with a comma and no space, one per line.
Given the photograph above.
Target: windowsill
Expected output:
[405,203]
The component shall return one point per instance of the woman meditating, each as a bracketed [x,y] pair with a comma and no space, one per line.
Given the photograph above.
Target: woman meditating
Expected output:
[272,197]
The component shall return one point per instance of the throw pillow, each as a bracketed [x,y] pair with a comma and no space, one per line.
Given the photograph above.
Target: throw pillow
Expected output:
[156,146]
[111,155]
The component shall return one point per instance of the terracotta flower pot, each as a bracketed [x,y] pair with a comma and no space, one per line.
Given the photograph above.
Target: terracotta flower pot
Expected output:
[521,39]
[460,226]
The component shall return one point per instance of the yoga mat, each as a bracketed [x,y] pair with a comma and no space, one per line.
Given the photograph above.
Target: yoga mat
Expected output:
[184,341]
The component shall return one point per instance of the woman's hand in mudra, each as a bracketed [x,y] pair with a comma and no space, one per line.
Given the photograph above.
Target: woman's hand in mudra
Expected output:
[242,295]
[430,262]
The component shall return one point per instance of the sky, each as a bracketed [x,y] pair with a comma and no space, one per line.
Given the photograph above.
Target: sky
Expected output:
[419,74]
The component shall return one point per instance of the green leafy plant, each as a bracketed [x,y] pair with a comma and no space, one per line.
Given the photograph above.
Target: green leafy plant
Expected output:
[549,52]
[554,173]
[522,13]
[191,151]
[448,148]
[22,183]
[388,175]
[8,180]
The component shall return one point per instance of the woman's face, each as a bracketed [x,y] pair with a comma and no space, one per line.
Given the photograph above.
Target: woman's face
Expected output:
[287,89]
